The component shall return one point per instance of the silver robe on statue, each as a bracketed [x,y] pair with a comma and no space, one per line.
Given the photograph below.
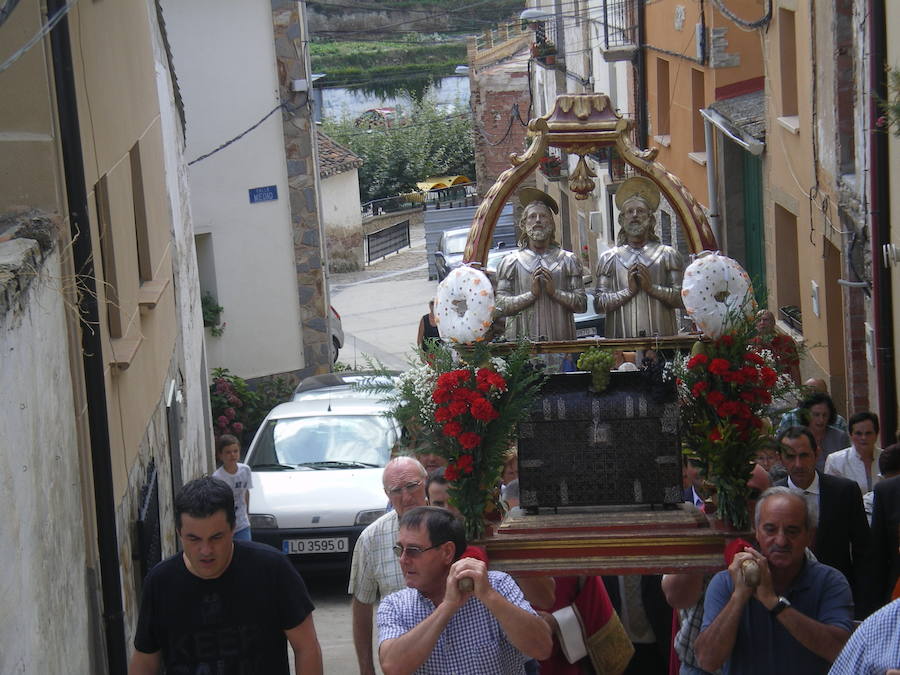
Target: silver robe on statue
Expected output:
[628,316]
[541,318]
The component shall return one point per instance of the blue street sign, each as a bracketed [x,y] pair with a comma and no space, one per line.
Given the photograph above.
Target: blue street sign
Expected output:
[269,193]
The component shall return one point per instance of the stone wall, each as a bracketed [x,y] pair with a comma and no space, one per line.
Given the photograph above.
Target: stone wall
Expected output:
[300,143]
[45,626]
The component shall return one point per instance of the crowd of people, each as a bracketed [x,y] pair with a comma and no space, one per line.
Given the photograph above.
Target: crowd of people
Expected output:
[813,590]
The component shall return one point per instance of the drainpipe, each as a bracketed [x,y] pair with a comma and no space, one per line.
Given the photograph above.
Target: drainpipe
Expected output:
[91,348]
[712,185]
[640,67]
[880,229]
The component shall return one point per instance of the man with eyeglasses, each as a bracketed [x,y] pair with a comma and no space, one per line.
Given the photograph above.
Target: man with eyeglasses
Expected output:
[434,628]
[375,570]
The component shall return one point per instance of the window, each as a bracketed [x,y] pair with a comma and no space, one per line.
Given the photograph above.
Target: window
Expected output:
[108,258]
[698,100]
[787,275]
[787,45]
[662,97]
[141,231]
[844,72]
[206,265]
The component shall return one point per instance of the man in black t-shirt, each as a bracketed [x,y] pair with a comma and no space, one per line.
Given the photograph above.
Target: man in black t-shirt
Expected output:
[222,606]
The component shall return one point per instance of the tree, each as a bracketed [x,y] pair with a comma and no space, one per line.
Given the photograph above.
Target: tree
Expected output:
[426,141]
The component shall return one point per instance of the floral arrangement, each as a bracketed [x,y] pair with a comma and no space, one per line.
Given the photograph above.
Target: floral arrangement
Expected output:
[464,404]
[239,409]
[726,387]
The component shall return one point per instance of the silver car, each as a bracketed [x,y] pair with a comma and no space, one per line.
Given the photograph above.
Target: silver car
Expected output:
[450,248]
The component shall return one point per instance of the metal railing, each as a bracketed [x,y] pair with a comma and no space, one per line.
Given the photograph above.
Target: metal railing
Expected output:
[389,240]
[499,35]
[616,166]
[464,194]
[148,551]
[619,23]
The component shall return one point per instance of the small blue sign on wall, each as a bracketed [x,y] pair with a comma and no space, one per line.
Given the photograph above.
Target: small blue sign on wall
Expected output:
[269,193]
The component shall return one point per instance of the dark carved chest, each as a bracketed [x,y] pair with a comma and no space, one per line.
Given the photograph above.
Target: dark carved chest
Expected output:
[619,447]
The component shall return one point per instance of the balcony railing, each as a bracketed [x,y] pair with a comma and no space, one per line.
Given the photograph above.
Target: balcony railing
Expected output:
[500,35]
[617,167]
[619,28]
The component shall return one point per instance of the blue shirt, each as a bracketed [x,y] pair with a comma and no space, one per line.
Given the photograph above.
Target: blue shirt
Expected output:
[473,643]
[874,646]
[763,645]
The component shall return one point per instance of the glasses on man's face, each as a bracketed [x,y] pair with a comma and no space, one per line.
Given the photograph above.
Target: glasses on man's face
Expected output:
[400,489]
[411,551]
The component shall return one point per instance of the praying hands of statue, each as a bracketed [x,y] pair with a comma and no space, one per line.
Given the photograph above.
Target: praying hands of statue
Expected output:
[542,282]
[639,279]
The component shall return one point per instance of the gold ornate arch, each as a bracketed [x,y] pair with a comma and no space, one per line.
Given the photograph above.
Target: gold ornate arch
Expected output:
[581,124]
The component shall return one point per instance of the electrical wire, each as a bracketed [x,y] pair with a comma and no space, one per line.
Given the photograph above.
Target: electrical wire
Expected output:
[7,9]
[741,23]
[282,105]
[46,28]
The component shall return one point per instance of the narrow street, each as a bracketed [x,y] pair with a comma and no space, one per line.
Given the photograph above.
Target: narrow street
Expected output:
[380,306]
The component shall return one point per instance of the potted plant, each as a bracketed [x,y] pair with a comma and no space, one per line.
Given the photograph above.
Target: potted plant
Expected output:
[212,312]
[544,51]
[550,166]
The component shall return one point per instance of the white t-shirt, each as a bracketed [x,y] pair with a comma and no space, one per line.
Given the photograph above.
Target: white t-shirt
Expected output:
[240,481]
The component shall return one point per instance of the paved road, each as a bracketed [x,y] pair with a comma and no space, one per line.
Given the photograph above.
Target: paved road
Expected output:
[381,306]
[333,623]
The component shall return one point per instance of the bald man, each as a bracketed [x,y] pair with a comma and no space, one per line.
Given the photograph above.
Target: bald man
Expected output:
[375,571]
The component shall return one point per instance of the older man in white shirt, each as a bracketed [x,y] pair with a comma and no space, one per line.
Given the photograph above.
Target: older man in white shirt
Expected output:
[859,462]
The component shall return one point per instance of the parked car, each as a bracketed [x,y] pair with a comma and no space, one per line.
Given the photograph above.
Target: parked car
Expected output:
[590,323]
[449,253]
[343,381]
[336,327]
[317,465]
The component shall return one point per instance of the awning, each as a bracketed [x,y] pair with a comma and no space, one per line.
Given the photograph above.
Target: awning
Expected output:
[742,119]
[441,182]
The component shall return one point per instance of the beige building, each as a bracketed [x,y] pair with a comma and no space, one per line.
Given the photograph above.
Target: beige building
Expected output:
[104,377]
[819,176]
[892,343]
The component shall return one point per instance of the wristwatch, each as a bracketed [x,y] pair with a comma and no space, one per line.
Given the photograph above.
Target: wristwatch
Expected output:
[782,604]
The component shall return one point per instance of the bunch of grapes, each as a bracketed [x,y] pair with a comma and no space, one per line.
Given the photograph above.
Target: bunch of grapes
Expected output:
[599,362]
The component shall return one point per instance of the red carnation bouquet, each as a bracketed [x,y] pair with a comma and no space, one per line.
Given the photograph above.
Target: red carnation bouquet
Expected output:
[464,404]
[726,388]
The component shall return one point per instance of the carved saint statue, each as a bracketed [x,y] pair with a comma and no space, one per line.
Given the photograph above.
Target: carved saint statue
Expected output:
[540,286]
[639,280]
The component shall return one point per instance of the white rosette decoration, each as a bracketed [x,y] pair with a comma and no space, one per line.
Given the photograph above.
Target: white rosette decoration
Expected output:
[716,287]
[464,305]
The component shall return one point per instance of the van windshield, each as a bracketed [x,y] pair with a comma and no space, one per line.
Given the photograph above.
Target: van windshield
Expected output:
[336,441]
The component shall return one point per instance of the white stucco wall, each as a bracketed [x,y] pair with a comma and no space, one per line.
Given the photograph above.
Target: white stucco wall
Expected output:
[340,201]
[44,625]
[225,64]
[196,427]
